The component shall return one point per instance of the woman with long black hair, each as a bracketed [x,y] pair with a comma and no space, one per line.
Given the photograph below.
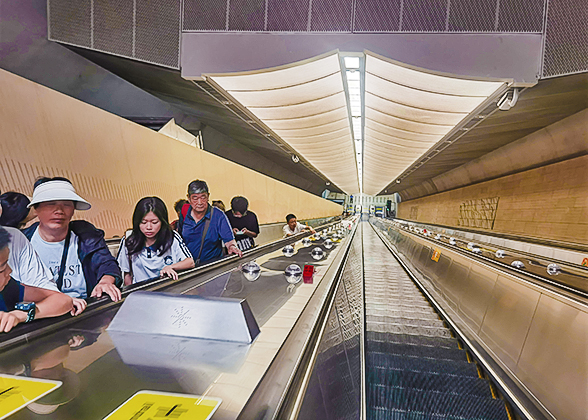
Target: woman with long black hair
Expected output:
[153,248]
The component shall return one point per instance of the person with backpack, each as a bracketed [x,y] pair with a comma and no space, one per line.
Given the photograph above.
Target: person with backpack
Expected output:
[74,251]
[153,248]
[205,228]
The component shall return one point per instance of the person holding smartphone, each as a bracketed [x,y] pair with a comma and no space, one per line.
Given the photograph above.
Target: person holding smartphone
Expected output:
[244,223]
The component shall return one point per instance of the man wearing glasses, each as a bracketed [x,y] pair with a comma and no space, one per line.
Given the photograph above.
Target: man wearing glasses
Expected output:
[244,223]
[205,228]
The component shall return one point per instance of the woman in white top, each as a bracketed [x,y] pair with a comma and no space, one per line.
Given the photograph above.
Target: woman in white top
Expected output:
[152,249]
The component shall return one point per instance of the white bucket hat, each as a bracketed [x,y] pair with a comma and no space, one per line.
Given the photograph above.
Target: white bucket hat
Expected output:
[58,191]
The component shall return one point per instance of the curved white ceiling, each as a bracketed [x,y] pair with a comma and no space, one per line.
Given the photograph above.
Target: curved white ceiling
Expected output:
[306,106]
[408,111]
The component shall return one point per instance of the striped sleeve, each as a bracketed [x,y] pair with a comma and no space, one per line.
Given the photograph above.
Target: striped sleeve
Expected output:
[184,252]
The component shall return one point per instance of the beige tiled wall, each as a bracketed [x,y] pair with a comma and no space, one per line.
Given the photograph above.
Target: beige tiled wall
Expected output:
[114,162]
[549,202]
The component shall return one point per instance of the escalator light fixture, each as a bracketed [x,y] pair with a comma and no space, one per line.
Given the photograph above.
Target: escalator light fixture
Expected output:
[518,264]
[452,241]
[553,269]
[323,235]
[438,236]
[288,251]
[305,241]
[293,274]
[500,253]
[317,253]
[251,270]
[471,246]
[476,250]
[328,244]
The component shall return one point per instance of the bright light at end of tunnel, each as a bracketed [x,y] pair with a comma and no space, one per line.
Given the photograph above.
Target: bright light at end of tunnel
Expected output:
[351,62]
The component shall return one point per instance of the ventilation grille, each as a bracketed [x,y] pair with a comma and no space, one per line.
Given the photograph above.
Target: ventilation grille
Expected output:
[566,38]
[146,30]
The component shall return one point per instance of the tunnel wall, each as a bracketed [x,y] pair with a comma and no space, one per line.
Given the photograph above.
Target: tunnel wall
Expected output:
[549,202]
[114,162]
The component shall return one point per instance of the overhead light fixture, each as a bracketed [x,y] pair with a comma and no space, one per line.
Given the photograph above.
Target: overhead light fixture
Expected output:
[351,62]
[398,181]
[295,158]
[328,183]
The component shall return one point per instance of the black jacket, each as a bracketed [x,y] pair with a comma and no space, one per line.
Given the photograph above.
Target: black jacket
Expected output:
[93,252]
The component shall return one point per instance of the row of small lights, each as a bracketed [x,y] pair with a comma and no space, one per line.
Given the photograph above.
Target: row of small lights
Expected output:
[552,269]
[353,77]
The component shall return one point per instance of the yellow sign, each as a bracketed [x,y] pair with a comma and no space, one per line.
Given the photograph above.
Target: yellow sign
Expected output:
[17,392]
[585,262]
[436,255]
[151,405]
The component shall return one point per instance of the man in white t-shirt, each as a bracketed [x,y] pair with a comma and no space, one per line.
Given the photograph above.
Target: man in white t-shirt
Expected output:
[27,267]
[293,226]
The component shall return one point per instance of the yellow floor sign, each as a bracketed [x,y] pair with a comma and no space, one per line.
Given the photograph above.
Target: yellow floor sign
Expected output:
[17,392]
[148,405]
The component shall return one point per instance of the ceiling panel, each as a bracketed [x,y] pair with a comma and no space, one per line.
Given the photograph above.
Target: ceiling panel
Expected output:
[408,111]
[306,106]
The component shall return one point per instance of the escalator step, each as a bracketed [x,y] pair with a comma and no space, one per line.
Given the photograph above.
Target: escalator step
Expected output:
[435,323]
[410,329]
[417,351]
[424,314]
[408,399]
[424,305]
[420,364]
[386,414]
[429,381]
[418,340]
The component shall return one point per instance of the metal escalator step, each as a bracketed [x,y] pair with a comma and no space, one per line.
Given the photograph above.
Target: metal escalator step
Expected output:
[420,364]
[395,299]
[430,381]
[408,399]
[442,353]
[412,339]
[378,413]
[404,312]
[409,329]
[434,323]
[416,305]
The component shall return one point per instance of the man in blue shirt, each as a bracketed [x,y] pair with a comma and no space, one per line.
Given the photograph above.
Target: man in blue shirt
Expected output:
[205,228]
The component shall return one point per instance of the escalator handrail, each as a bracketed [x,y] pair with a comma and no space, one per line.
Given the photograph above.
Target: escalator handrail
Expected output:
[26,332]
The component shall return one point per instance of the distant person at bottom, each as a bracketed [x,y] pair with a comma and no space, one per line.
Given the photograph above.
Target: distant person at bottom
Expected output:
[20,303]
[294,227]
[74,251]
[205,228]
[244,223]
[153,248]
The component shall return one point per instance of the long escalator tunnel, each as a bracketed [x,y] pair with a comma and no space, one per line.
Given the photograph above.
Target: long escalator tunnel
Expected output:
[415,368]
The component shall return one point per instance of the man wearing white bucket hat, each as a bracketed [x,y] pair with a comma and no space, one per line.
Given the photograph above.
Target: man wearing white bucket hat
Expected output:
[74,251]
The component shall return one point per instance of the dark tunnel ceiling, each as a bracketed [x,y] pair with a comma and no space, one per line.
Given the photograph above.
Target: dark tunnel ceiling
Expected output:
[549,101]
[246,146]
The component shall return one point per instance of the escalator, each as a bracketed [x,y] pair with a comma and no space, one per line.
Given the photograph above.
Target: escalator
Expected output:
[415,368]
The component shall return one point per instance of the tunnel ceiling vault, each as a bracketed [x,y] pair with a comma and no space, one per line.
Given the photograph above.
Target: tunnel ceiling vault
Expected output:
[548,102]
[243,144]
[406,112]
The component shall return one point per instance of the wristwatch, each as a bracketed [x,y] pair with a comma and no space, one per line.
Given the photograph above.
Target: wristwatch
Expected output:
[28,307]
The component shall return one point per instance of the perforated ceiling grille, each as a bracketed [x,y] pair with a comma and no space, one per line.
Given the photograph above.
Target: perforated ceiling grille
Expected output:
[472,15]
[70,22]
[112,31]
[291,15]
[247,15]
[377,16]
[157,38]
[521,16]
[331,16]
[424,15]
[566,38]
[210,15]
[147,30]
